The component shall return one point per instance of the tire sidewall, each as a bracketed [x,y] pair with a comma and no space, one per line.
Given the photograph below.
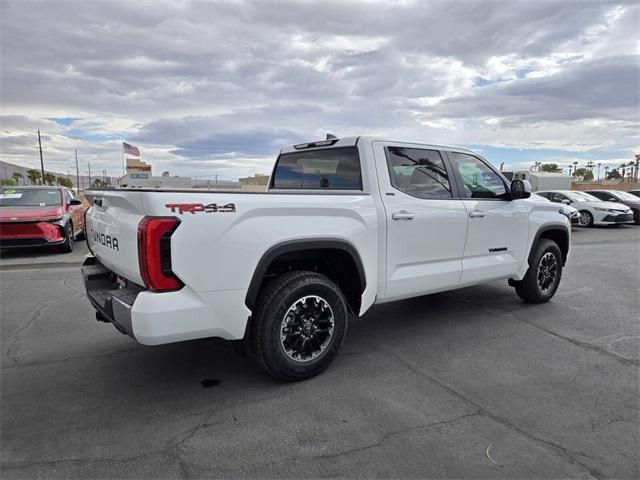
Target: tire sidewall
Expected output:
[553,248]
[277,359]
[67,246]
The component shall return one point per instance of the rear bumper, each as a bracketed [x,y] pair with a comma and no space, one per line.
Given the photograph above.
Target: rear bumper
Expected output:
[112,304]
[154,318]
[30,234]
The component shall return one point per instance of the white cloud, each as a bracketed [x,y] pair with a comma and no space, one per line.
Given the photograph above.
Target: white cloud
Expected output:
[205,85]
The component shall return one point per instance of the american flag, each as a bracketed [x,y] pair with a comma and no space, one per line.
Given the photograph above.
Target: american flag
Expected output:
[130,149]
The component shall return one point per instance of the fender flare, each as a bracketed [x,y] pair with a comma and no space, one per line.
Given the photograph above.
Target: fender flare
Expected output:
[547,228]
[295,246]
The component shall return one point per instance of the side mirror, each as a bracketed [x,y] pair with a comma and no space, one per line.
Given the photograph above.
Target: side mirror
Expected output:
[520,189]
[611,199]
[75,202]
[566,201]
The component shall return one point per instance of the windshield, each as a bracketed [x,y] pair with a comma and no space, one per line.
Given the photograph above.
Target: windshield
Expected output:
[36,197]
[626,196]
[582,197]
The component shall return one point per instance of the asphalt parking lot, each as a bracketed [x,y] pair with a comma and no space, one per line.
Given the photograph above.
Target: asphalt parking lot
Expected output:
[464,384]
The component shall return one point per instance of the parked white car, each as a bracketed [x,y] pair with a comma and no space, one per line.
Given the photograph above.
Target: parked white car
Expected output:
[593,210]
[573,214]
[346,223]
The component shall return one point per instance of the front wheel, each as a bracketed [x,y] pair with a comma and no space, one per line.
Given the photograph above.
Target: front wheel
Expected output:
[299,326]
[67,246]
[586,219]
[543,276]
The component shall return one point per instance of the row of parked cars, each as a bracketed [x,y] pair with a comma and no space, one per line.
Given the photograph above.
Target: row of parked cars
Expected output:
[597,207]
[48,215]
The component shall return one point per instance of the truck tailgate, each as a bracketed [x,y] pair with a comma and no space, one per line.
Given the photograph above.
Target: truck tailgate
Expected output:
[112,230]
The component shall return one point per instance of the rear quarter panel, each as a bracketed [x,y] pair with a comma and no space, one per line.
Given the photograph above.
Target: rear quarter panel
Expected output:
[219,251]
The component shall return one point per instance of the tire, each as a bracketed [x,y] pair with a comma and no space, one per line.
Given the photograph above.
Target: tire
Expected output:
[544,274]
[317,331]
[67,246]
[587,218]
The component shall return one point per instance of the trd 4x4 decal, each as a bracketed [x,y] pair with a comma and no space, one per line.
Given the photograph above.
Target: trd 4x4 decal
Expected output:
[201,207]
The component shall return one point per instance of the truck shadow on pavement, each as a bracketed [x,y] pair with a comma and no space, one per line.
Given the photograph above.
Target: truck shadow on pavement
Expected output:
[213,364]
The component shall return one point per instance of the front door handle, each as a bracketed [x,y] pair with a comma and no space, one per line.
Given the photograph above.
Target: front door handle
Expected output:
[402,215]
[476,213]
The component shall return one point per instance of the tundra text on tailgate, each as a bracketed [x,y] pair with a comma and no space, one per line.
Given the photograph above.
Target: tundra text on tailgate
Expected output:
[345,223]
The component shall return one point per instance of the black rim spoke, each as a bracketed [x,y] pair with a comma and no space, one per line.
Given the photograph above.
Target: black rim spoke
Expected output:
[547,271]
[307,328]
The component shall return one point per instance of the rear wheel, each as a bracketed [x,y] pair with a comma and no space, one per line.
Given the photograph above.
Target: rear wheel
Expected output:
[67,246]
[543,276]
[299,325]
[586,219]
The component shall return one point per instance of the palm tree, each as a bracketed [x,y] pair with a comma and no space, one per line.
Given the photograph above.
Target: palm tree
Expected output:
[17,176]
[33,175]
[49,177]
[65,182]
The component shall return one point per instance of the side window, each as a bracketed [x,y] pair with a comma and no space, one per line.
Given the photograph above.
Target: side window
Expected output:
[543,194]
[327,168]
[479,181]
[557,197]
[601,195]
[418,172]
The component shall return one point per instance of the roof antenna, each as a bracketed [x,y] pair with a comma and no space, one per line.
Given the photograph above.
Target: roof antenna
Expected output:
[331,137]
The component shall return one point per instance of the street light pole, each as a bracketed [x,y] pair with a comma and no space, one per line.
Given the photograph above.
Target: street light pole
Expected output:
[77,173]
[41,160]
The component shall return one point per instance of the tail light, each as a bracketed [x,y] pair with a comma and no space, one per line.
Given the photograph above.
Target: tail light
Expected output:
[154,253]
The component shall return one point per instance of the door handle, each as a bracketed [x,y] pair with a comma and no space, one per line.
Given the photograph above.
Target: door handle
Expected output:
[476,214]
[402,215]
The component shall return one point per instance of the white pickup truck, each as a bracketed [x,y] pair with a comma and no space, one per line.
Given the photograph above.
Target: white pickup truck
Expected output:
[346,223]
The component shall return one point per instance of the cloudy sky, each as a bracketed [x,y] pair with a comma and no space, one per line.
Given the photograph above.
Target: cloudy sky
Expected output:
[208,88]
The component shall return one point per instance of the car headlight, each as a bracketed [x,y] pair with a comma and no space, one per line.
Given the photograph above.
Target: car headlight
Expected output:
[608,210]
[61,220]
[566,212]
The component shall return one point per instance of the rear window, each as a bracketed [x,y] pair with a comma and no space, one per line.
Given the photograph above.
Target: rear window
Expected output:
[325,169]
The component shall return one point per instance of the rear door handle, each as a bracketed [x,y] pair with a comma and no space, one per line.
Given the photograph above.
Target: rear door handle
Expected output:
[476,213]
[402,215]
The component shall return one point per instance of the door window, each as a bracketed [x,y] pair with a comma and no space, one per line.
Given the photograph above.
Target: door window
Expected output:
[479,181]
[557,197]
[601,195]
[418,172]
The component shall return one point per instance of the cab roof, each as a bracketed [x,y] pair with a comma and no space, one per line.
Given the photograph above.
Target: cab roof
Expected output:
[353,141]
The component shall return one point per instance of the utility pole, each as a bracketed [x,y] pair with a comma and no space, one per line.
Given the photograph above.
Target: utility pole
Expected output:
[41,160]
[77,173]
[89,163]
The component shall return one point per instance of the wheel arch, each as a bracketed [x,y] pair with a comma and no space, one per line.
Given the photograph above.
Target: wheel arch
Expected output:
[558,233]
[312,251]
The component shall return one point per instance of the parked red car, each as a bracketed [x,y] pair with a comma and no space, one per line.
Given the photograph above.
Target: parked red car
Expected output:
[34,216]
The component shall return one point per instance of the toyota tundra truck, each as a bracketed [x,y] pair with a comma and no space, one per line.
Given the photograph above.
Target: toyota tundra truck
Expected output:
[344,224]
